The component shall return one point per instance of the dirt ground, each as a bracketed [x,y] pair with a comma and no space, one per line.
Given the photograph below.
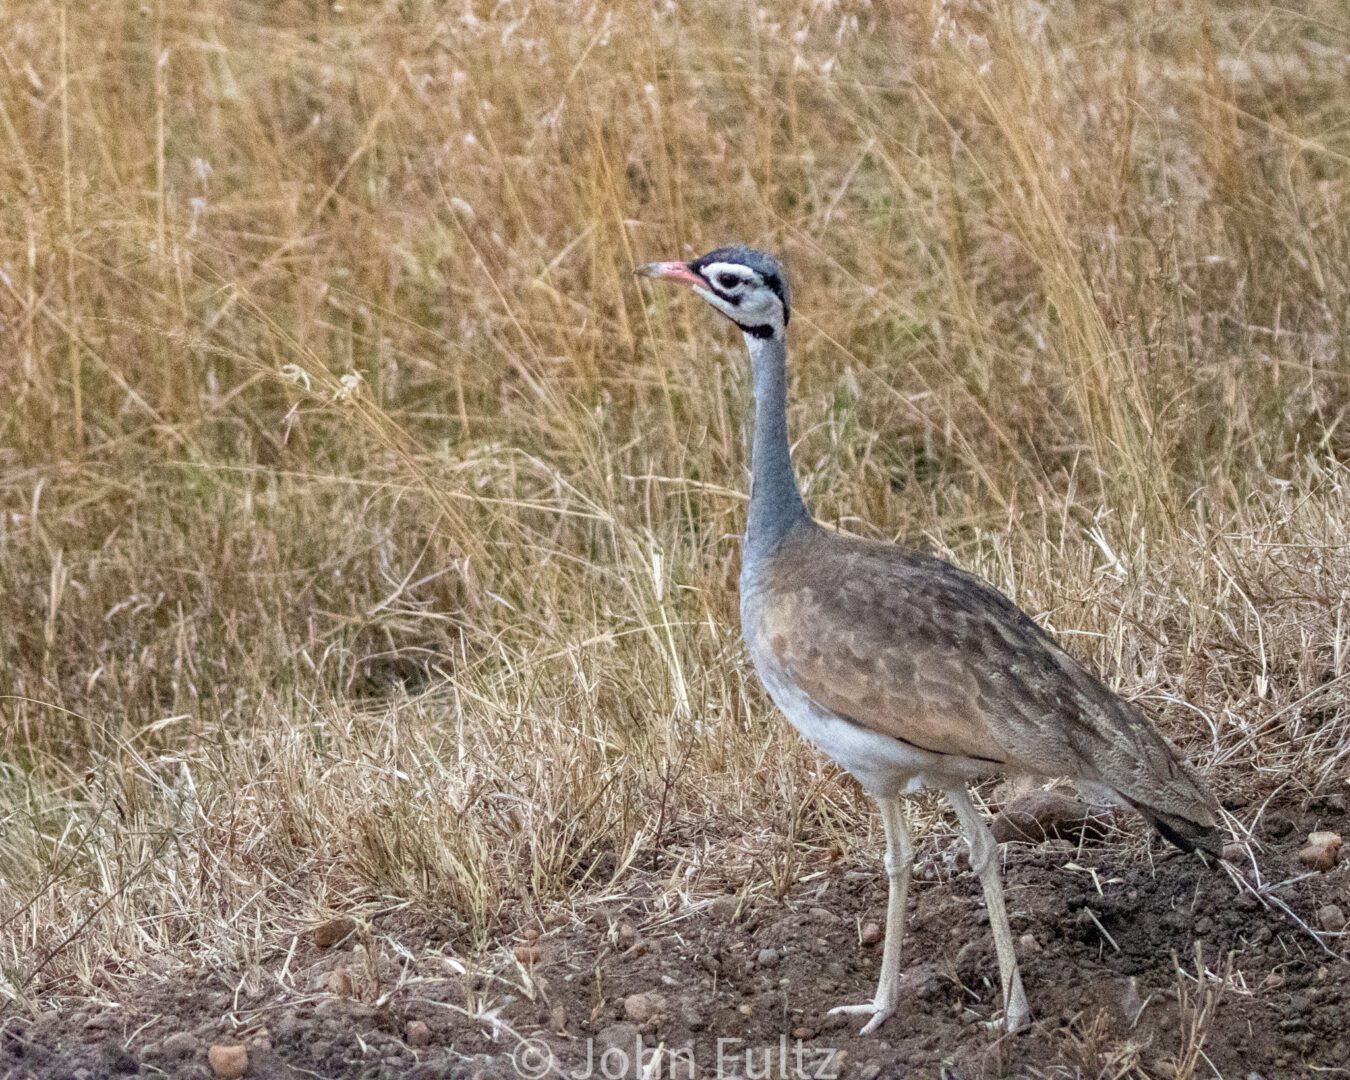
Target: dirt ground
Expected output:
[1153,966]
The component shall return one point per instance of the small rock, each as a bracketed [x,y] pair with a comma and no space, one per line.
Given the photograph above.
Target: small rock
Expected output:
[1234,853]
[340,982]
[804,1034]
[724,908]
[871,934]
[620,1046]
[1321,850]
[530,933]
[628,935]
[823,915]
[329,933]
[767,958]
[417,1033]
[229,1062]
[288,1026]
[1131,1004]
[640,1008]
[527,954]
[1042,815]
[970,954]
[1027,944]
[1331,917]
[101,1021]
[922,981]
[179,1045]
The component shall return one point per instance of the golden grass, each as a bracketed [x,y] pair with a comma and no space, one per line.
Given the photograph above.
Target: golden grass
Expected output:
[369,535]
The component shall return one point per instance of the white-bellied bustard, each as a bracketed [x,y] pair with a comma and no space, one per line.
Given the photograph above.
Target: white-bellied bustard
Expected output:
[909,672]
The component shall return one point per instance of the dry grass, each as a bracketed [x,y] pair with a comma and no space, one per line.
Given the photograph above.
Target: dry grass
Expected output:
[369,536]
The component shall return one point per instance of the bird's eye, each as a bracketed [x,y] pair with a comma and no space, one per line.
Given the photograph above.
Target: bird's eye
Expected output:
[729,282]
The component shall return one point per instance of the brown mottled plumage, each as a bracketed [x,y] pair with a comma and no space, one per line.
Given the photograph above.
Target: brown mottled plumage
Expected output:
[909,672]
[910,647]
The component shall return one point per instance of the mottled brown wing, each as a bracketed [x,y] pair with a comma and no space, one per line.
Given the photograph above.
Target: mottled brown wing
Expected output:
[911,647]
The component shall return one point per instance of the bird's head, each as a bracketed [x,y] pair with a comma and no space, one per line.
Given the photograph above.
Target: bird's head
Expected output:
[749,287]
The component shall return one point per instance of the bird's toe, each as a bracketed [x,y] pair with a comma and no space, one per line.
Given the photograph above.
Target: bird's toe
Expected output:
[878,1013]
[1009,1023]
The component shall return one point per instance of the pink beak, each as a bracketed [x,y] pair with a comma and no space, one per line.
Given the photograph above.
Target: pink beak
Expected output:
[677,272]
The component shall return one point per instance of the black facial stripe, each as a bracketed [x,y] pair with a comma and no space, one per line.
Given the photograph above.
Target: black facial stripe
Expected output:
[766,270]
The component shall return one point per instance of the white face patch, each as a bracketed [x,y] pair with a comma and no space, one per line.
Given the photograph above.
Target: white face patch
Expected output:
[740,294]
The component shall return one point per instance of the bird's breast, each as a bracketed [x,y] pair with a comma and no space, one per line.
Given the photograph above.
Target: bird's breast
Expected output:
[884,766]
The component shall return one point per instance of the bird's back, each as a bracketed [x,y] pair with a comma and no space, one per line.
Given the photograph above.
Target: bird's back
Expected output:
[909,648]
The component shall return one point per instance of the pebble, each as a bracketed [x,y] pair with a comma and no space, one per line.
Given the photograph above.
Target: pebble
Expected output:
[1321,850]
[557,1019]
[871,933]
[640,1008]
[1041,815]
[417,1033]
[803,1034]
[101,1021]
[229,1062]
[724,908]
[767,958]
[922,981]
[528,954]
[329,933]
[179,1044]
[340,982]
[1331,917]
[623,1040]
[823,915]
[1027,944]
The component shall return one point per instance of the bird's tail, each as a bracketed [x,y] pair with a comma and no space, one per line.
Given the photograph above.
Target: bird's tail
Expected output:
[1185,833]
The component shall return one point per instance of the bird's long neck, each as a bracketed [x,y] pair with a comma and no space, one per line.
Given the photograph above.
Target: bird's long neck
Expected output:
[775,501]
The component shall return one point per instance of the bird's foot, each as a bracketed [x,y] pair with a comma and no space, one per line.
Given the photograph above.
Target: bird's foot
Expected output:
[878,1011]
[1009,1023]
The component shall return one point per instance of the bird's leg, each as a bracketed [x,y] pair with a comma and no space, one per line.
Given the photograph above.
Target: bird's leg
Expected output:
[899,860]
[984,861]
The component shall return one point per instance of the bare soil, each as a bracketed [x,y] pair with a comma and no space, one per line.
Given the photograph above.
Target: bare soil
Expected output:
[1134,966]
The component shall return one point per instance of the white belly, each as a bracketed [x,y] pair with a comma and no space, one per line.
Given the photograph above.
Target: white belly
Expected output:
[884,766]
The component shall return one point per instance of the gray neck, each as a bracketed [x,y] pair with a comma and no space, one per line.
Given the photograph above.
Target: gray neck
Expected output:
[775,502]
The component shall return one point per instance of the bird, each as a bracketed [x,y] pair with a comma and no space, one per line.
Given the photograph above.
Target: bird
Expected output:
[911,673]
